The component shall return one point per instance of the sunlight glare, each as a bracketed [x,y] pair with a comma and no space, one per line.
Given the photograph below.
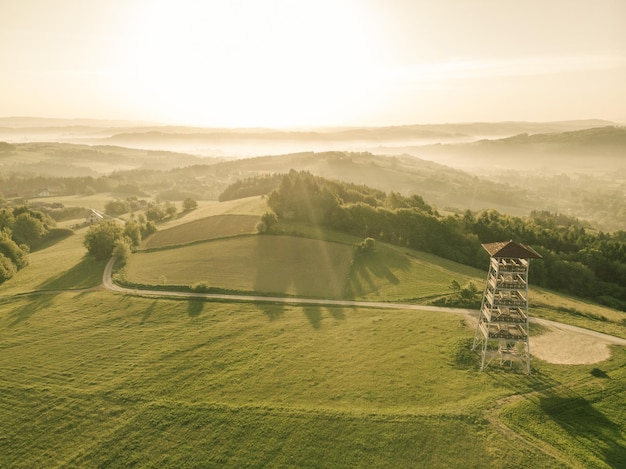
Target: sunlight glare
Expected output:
[246,64]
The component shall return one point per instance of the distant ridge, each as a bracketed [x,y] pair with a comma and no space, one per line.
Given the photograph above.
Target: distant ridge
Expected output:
[28,121]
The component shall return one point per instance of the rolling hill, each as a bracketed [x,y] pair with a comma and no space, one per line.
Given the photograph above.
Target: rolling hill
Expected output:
[92,377]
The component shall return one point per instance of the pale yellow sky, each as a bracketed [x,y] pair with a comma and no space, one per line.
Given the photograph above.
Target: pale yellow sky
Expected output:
[291,63]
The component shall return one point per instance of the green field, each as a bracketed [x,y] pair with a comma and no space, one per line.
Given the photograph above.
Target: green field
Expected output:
[91,378]
[217,226]
[268,264]
[97,379]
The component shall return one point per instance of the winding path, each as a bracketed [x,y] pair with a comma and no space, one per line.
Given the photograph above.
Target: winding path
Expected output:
[107,282]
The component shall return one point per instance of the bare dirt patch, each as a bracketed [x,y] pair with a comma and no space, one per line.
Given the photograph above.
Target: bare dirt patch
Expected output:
[569,348]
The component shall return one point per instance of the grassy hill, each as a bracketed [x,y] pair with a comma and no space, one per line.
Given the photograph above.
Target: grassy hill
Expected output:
[578,172]
[301,266]
[94,378]
[64,159]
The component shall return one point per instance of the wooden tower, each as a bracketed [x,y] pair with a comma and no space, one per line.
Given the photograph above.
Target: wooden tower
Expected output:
[502,329]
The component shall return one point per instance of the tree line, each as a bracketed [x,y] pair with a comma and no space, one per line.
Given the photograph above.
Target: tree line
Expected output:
[576,259]
[21,229]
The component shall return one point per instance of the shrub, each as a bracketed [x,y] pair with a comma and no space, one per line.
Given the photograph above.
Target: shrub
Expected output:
[367,245]
[189,204]
[200,287]
[121,250]
[260,227]
[7,268]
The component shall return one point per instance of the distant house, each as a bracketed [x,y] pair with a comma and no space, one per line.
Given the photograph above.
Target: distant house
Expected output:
[44,193]
[94,217]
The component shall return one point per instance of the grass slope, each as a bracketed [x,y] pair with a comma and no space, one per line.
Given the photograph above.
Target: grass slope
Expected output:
[217,226]
[277,264]
[95,379]
[310,262]
[92,378]
[64,265]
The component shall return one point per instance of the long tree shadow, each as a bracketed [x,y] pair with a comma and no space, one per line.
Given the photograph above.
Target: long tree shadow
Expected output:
[54,236]
[195,307]
[148,312]
[273,311]
[314,315]
[372,269]
[25,312]
[86,274]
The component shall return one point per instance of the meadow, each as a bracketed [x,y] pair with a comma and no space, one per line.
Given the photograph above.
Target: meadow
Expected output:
[217,226]
[91,378]
[100,379]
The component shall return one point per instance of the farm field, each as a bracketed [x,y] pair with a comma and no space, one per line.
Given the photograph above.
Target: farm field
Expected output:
[299,266]
[96,201]
[99,379]
[94,378]
[252,206]
[277,264]
[216,226]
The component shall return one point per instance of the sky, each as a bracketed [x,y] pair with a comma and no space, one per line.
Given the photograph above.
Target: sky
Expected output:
[313,63]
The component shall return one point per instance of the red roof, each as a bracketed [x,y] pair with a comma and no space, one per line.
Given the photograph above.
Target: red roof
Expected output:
[511,249]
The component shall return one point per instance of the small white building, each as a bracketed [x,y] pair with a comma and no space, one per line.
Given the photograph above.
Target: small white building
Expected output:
[94,217]
[44,193]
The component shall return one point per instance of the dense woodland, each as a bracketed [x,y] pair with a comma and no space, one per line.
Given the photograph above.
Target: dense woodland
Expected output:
[576,260]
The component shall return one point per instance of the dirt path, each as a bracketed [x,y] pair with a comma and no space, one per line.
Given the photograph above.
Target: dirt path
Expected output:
[562,344]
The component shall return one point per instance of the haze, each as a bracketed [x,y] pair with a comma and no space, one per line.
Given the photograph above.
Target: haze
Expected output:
[273,63]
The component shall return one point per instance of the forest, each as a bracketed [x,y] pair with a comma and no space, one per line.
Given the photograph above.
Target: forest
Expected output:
[576,260]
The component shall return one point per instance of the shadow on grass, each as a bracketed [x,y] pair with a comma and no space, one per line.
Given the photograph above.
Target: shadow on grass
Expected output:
[148,312]
[578,417]
[195,308]
[24,313]
[86,274]
[374,268]
[598,373]
[590,430]
[55,235]
[314,315]
[271,310]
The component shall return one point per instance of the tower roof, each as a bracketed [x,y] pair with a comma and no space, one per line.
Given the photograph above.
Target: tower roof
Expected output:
[511,249]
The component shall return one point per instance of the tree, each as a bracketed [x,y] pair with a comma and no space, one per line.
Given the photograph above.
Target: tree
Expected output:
[454,286]
[367,245]
[147,229]
[28,229]
[7,219]
[170,209]
[132,231]
[269,219]
[116,208]
[121,250]
[9,248]
[189,204]
[155,213]
[101,238]
[7,268]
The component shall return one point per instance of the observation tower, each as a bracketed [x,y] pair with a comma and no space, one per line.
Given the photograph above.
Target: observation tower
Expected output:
[502,329]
